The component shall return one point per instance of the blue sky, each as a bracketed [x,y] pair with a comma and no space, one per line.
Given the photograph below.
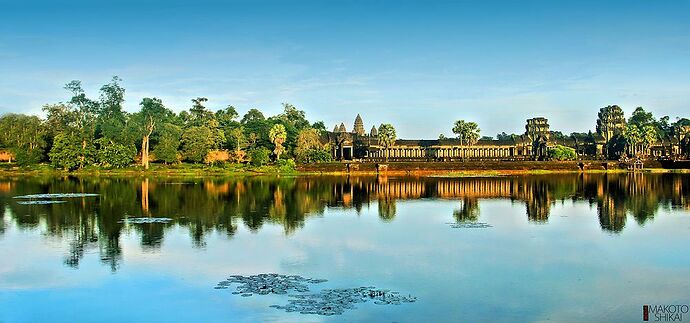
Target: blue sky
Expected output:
[419,65]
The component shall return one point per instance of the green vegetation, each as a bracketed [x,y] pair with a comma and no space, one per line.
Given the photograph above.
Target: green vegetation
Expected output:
[468,132]
[562,153]
[387,136]
[84,133]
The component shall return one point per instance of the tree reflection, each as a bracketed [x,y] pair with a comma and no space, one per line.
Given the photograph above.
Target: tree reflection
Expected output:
[205,206]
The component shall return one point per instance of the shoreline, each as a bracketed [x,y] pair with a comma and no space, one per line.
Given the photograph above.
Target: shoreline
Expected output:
[420,169]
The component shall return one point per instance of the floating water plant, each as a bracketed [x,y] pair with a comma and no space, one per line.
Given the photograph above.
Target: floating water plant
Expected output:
[40,202]
[470,225]
[325,302]
[145,220]
[264,284]
[336,301]
[55,196]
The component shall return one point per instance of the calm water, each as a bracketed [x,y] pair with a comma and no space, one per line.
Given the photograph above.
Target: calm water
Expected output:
[536,248]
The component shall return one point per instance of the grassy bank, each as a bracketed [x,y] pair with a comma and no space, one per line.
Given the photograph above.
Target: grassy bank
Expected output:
[331,169]
[155,170]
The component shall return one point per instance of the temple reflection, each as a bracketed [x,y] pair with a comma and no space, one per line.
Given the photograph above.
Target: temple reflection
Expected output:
[204,206]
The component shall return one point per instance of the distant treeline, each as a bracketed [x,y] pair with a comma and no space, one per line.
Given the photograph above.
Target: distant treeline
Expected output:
[85,132]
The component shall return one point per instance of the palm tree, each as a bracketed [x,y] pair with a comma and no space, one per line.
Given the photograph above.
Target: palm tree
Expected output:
[278,136]
[386,137]
[468,132]
[632,137]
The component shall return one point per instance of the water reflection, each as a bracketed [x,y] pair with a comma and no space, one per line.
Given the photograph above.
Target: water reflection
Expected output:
[204,206]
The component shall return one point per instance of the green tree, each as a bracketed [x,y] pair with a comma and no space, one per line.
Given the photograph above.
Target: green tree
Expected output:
[258,156]
[111,119]
[633,137]
[196,143]
[168,143]
[113,154]
[147,121]
[199,115]
[467,132]
[309,148]
[25,136]
[238,142]
[83,126]
[68,153]
[560,152]
[386,137]
[278,136]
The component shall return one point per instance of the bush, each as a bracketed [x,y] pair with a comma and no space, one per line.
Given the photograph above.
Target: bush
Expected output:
[259,156]
[562,153]
[286,165]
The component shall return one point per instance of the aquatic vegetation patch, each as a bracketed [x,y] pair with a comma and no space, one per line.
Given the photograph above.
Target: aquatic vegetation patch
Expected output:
[336,301]
[40,202]
[145,220]
[470,225]
[55,196]
[264,284]
[325,302]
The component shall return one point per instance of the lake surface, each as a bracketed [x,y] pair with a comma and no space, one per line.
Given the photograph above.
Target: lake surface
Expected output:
[580,247]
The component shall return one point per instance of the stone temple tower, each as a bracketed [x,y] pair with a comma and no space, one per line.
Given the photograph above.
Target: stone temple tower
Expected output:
[374,132]
[359,126]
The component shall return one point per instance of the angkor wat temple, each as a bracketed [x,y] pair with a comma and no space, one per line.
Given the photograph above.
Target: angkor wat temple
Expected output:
[533,144]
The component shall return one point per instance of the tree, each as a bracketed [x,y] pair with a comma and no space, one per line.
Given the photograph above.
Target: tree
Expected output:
[168,143]
[84,111]
[111,119]
[633,137]
[198,114]
[152,114]
[237,142]
[387,137]
[258,156]
[114,155]
[309,148]
[560,152]
[25,136]
[196,143]
[468,132]
[441,137]
[278,136]
[67,152]
[642,130]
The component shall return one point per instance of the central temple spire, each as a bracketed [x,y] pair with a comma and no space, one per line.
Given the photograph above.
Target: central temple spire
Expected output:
[359,126]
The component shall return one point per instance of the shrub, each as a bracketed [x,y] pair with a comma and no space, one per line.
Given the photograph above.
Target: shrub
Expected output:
[286,165]
[259,156]
[562,153]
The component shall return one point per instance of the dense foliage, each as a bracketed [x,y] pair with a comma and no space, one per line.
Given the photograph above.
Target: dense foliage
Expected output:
[559,152]
[84,131]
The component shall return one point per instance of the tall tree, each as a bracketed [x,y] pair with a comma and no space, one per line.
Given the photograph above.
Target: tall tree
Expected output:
[151,116]
[112,120]
[467,132]
[85,113]
[386,137]
[278,136]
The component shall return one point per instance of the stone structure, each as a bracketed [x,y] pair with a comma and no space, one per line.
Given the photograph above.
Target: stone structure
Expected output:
[532,145]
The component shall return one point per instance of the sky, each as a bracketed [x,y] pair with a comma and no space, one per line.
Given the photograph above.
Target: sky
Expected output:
[419,65]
